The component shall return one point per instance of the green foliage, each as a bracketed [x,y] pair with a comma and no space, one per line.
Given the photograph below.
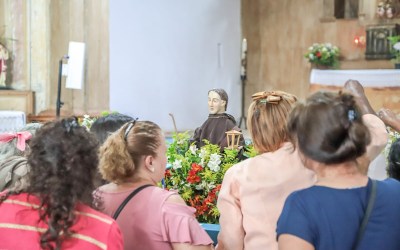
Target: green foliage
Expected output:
[395,48]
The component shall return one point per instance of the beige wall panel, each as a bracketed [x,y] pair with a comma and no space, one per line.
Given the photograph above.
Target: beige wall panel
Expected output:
[59,16]
[97,52]
[16,32]
[279,34]
[77,34]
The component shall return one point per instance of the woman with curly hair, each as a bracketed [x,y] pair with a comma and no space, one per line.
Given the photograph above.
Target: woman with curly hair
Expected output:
[53,211]
[133,159]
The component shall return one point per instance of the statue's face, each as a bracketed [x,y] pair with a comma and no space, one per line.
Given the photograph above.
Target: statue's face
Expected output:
[215,104]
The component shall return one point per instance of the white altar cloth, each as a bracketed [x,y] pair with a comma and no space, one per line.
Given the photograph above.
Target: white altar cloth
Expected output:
[375,78]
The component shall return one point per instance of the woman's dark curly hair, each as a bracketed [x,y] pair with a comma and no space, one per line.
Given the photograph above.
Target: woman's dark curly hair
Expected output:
[63,163]
[393,167]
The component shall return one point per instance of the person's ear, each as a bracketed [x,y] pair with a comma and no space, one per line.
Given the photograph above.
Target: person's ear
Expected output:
[148,163]
[223,103]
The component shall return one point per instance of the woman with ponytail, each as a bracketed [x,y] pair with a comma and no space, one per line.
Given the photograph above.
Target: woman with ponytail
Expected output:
[133,159]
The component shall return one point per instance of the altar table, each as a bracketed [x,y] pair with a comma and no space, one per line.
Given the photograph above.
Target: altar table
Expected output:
[382,86]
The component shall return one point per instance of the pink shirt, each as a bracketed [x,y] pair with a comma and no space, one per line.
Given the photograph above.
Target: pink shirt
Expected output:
[19,228]
[148,222]
[253,192]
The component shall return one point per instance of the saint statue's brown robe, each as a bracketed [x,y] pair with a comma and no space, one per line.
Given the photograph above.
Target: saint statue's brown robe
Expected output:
[214,128]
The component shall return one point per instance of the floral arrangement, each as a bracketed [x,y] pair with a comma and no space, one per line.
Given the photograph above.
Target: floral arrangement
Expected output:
[395,48]
[323,54]
[197,173]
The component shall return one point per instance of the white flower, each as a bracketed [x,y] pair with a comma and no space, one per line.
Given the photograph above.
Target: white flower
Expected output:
[324,49]
[193,149]
[214,162]
[328,45]
[311,56]
[177,164]
[203,153]
[396,46]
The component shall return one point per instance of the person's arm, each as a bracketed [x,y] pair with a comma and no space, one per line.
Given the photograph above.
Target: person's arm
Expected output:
[196,230]
[231,235]
[390,119]
[357,90]
[289,242]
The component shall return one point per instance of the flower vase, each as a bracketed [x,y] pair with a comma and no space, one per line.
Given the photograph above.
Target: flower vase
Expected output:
[319,66]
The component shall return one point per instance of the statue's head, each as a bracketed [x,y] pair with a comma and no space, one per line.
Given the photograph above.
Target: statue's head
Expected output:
[217,101]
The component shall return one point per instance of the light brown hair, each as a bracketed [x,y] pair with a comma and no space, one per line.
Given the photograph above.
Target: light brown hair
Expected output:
[267,116]
[121,153]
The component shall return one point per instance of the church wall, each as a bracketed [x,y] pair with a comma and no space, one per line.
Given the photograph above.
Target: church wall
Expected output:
[279,33]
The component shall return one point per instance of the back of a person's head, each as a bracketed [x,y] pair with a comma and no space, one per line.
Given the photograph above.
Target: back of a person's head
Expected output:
[64,157]
[266,119]
[8,149]
[121,153]
[328,128]
[63,161]
[105,125]
[393,167]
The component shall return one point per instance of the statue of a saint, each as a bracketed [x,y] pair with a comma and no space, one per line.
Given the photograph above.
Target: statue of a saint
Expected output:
[3,66]
[218,122]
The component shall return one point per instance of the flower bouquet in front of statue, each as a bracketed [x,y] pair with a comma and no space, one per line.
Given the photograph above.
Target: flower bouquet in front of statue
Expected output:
[197,173]
[323,55]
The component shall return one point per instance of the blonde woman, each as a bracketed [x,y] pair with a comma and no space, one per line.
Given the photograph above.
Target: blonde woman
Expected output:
[135,157]
[253,191]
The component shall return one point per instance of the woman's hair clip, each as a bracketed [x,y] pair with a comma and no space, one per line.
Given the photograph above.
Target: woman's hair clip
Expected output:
[351,115]
[70,123]
[128,128]
[272,97]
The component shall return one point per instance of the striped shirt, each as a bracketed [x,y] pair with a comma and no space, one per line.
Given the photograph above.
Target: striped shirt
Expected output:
[20,227]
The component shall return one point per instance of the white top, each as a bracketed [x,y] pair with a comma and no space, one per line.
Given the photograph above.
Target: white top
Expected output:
[367,77]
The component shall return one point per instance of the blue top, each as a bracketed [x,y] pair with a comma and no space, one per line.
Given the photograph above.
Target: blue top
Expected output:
[330,218]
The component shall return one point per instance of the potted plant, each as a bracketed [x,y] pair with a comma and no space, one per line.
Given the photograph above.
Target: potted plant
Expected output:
[323,55]
[395,50]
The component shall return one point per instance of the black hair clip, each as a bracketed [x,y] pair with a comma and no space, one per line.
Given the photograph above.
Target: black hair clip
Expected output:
[70,123]
[128,128]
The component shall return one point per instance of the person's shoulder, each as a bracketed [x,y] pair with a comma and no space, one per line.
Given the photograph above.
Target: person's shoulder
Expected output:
[230,118]
[390,184]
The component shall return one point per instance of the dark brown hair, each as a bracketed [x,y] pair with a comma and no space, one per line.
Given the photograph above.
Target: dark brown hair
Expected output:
[63,162]
[328,128]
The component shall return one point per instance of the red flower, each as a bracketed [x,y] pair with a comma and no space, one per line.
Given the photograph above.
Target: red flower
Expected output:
[318,54]
[167,173]
[192,177]
[196,167]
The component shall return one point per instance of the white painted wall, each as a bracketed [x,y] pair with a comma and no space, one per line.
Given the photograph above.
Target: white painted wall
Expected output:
[166,55]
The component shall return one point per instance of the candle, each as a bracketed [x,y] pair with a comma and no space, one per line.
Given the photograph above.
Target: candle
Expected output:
[244,48]
[242,71]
